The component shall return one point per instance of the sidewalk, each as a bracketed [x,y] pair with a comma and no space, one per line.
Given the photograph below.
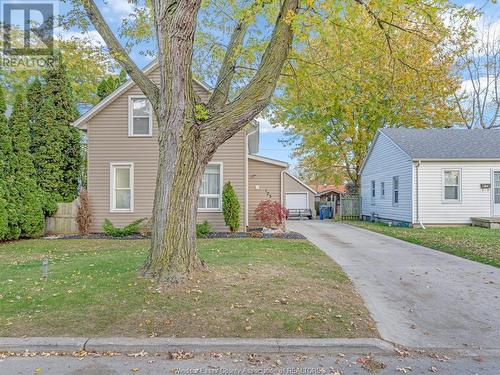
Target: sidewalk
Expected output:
[157,345]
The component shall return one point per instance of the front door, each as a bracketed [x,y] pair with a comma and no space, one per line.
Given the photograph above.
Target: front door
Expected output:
[496,193]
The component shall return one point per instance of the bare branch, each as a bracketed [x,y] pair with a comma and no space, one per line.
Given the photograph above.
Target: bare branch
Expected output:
[479,105]
[226,72]
[119,53]
[257,94]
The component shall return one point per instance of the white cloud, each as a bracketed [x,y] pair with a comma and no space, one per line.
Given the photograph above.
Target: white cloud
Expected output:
[267,127]
[120,7]
[93,36]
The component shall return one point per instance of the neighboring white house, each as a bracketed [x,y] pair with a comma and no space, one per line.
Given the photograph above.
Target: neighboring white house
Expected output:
[431,176]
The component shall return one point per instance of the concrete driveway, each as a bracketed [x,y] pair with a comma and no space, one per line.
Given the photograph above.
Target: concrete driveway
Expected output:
[418,297]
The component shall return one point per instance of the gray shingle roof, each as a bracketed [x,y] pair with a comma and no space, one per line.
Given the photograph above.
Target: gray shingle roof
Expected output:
[447,143]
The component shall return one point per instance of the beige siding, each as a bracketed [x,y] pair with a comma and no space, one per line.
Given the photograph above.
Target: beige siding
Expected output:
[293,186]
[264,182]
[108,142]
[474,200]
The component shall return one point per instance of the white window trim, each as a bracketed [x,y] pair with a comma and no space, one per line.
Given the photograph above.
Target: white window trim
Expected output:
[394,203]
[382,190]
[493,171]
[443,195]
[221,179]
[131,117]
[373,191]
[112,183]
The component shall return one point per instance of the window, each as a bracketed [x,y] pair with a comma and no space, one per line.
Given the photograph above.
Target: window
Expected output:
[140,123]
[373,192]
[395,190]
[382,190]
[451,181]
[122,187]
[210,191]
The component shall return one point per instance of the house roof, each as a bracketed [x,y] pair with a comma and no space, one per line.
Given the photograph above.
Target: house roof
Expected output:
[446,144]
[329,188]
[329,191]
[300,182]
[268,160]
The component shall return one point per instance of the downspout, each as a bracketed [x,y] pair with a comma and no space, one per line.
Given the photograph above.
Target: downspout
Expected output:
[282,193]
[418,195]
[282,189]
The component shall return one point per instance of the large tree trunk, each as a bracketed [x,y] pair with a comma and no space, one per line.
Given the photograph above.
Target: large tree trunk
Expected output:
[173,246]
[186,145]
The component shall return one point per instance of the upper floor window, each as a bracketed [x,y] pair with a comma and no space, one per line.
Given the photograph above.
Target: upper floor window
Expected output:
[373,192]
[140,118]
[451,182]
[395,190]
[211,189]
[382,190]
[122,187]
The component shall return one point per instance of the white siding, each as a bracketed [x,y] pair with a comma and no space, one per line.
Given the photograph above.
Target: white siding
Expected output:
[385,161]
[474,200]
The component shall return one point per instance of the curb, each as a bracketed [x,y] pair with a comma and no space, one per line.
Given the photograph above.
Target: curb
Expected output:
[158,345]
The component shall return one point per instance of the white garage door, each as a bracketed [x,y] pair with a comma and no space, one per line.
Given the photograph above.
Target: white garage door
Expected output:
[296,200]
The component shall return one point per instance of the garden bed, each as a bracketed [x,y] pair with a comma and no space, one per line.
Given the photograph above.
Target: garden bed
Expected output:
[249,234]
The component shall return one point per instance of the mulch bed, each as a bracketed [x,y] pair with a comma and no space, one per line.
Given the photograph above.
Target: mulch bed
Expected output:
[251,234]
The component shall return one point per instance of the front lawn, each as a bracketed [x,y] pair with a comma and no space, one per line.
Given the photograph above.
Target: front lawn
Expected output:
[251,288]
[474,243]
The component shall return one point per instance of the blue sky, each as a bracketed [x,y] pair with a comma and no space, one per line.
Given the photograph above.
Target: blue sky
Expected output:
[115,10]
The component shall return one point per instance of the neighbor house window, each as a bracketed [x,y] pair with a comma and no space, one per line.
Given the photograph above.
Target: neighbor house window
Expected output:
[122,187]
[140,123]
[382,190]
[373,192]
[395,190]
[451,181]
[210,191]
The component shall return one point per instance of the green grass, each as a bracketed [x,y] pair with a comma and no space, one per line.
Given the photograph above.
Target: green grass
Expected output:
[251,288]
[474,243]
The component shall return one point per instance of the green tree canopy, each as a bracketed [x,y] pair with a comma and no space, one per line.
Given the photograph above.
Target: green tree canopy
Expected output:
[5,151]
[386,64]
[30,218]
[64,139]
[86,63]
[110,84]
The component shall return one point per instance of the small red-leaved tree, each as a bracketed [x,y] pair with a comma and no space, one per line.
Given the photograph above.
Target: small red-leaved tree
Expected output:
[270,213]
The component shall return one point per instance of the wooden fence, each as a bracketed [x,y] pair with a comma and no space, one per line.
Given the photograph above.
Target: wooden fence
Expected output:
[349,207]
[64,220]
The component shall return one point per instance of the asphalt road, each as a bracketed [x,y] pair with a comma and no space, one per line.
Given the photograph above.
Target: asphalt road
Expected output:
[418,297]
[336,364]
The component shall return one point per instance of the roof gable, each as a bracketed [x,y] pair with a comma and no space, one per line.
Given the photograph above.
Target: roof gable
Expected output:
[202,90]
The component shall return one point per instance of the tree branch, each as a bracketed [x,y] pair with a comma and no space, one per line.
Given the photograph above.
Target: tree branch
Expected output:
[227,69]
[257,94]
[119,53]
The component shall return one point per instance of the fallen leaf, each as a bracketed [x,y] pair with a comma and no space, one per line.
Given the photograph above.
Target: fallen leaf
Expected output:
[181,355]
[404,370]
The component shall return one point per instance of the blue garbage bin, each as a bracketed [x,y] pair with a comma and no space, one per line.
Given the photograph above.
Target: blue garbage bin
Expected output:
[325,212]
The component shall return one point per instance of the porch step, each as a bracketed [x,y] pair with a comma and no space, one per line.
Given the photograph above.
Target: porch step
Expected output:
[486,222]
